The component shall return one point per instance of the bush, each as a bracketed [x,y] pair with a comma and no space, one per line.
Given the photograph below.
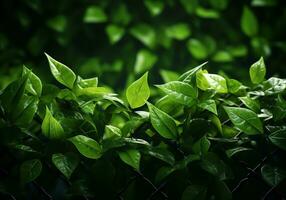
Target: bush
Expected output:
[198,136]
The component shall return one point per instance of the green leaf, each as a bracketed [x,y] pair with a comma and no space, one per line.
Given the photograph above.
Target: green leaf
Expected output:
[138,92]
[274,86]
[180,92]
[207,13]
[209,105]
[206,81]
[155,7]
[145,60]
[248,22]
[168,76]
[58,23]
[250,103]
[131,157]
[25,110]
[201,146]
[86,146]
[51,128]
[66,163]
[233,151]
[162,154]
[163,123]
[30,170]
[257,71]
[111,132]
[194,192]
[278,138]
[62,73]
[197,49]
[190,74]
[114,32]
[94,14]
[145,34]
[273,175]
[179,31]
[13,93]
[245,120]
[34,84]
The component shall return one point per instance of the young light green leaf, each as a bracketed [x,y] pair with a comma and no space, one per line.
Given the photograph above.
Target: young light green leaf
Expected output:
[250,103]
[131,157]
[248,22]
[273,175]
[34,84]
[145,60]
[190,74]
[179,31]
[245,120]
[154,7]
[209,105]
[163,123]
[278,138]
[180,92]
[51,128]
[206,81]
[66,163]
[115,33]
[87,146]
[197,49]
[30,170]
[138,92]
[111,132]
[169,76]
[94,14]
[61,72]
[257,71]
[145,34]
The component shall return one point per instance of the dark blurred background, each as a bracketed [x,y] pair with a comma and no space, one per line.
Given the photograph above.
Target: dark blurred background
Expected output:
[119,40]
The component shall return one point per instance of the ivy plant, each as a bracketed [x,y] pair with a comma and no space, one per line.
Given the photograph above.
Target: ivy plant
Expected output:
[196,136]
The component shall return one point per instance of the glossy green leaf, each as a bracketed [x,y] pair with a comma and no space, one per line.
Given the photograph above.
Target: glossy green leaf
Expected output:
[145,60]
[250,103]
[206,81]
[278,138]
[257,71]
[94,14]
[131,157]
[209,105]
[65,163]
[111,132]
[180,92]
[30,170]
[51,128]
[273,175]
[163,123]
[61,72]
[245,120]
[138,92]
[248,22]
[162,154]
[233,151]
[88,147]
[34,84]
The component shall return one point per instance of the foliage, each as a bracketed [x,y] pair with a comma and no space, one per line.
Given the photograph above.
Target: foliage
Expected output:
[123,39]
[200,136]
